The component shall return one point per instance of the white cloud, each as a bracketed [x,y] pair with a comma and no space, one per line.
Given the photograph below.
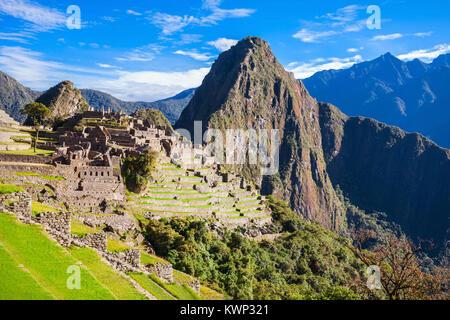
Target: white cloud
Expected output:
[31,69]
[106,66]
[392,36]
[187,38]
[427,55]
[423,34]
[40,17]
[307,69]
[306,35]
[353,50]
[134,13]
[223,44]
[195,55]
[170,24]
[344,20]
[150,85]
[145,53]
[21,37]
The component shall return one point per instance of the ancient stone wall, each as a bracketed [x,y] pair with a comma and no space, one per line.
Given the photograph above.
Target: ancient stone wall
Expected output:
[17,203]
[162,271]
[97,241]
[25,158]
[57,225]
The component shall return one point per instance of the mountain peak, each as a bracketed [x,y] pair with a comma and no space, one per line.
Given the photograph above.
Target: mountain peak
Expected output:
[63,100]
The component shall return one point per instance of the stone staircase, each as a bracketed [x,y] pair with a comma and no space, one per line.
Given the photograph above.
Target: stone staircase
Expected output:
[178,191]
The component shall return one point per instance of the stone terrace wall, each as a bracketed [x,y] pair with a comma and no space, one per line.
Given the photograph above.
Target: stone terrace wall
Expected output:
[18,203]
[162,271]
[97,241]
[57,225]
[25,158]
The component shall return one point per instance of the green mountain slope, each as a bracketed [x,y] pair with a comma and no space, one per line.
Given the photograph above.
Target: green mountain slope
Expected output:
[13,96]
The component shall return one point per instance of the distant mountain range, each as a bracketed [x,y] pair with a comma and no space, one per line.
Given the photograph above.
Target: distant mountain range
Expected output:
[170,107]
[13,96]
[412,95]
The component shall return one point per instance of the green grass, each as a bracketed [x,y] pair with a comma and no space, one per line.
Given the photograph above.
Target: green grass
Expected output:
[119,286]
[209,294]
[43,176]
[29,152]
[152,287]
[116,245]
[9,188]
[47,262]
[181,292]
[150,259]
[37,207]
[80,229]
[174,205]
[17,283]
[170,199]
[179,276]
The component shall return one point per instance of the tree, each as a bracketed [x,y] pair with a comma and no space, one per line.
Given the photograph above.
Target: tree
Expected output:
[137,170]
[401,274]
[37,113]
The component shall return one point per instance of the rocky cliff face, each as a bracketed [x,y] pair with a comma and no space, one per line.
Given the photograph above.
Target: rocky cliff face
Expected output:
[13,96]
[382,168]
[248,89]
[63,100]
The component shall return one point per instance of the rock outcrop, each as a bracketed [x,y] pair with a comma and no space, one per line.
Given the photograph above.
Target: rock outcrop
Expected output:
[63,100]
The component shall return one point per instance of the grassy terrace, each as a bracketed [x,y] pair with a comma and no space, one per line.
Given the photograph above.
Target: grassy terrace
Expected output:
[30,152]
[44,261]
[171,199]
[8,188]
[80,229]
[151,286]
[116,245]
[43,176]
[119,286]
[173,205]
[37,207]
[180,292]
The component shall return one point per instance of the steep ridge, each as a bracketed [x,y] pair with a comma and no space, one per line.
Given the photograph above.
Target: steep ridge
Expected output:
[63,100]
[385,169]
[248,88]
[411,95]
[13,96]
[378,167]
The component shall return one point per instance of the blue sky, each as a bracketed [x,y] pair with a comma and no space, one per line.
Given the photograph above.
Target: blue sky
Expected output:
[147,50]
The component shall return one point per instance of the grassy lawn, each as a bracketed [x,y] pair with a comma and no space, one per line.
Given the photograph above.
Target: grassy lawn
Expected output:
[9,188]
[80,229]
[181,292]
[34,174]
[209,294]
[120,287]
[150,259]
[116,245]
[47,262]
[17,283]
[30,152]
[149,285]
[37,207]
